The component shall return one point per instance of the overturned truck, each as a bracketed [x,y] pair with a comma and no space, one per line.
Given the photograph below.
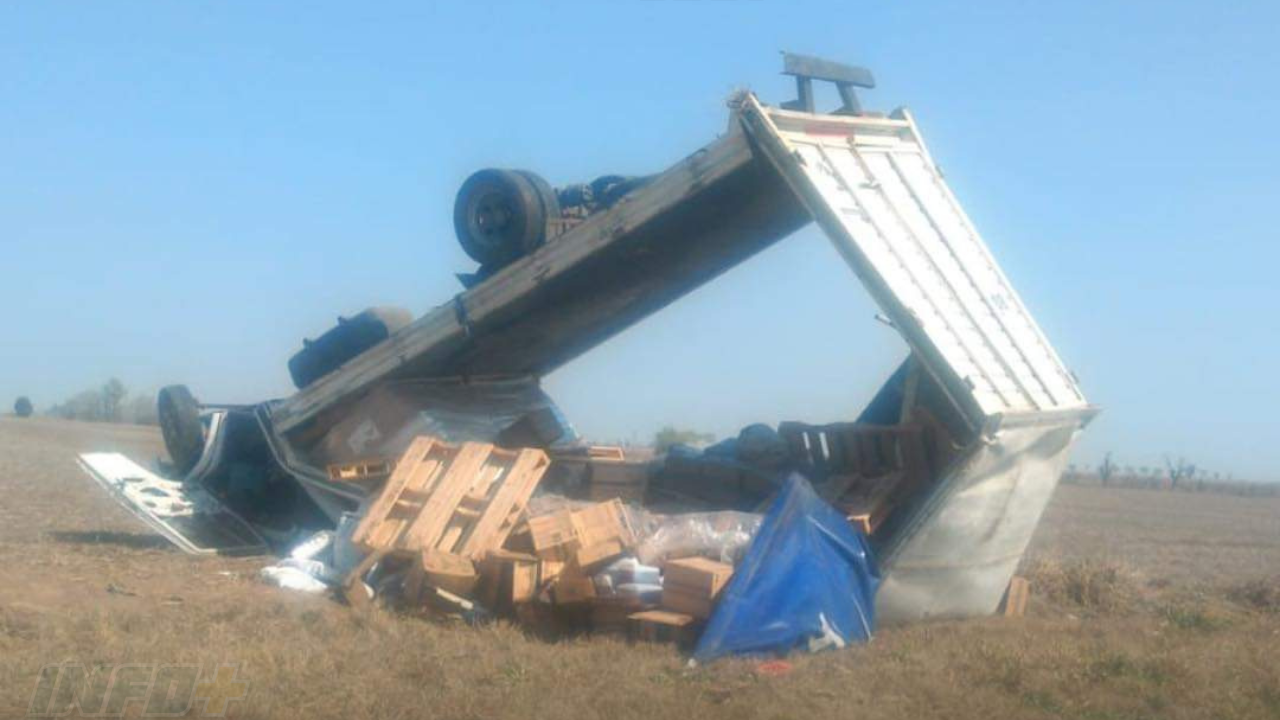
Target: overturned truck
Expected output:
[979,419]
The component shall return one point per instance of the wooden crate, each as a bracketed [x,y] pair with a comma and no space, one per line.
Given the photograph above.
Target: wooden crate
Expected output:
[690,586]
[564,535]
[697,574]
[507,579]
[458,499]
[664,626]
[554,536]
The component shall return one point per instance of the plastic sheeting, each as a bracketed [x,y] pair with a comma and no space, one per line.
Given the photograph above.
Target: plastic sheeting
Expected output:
[388,418]
[723,536]
[808,580]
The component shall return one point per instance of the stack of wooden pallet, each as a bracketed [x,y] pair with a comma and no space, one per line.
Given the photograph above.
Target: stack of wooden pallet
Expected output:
[864,470]
[599,473]
[446,507]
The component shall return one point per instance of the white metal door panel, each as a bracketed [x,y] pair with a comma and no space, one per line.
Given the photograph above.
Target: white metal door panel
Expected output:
[186,515]
[872,186]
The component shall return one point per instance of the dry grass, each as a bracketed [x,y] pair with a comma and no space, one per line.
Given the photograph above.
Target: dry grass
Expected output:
[1099,586]
[1259,594]
[1105,639]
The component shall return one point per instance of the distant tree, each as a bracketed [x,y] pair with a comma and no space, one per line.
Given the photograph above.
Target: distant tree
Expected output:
[1180,471]
[84,405]
[668,436]
[22,407]
[141,410]
[1106,469]
[113,393]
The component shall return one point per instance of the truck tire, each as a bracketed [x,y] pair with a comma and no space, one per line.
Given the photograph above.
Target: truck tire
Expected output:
[350,337]
[500,215]
[179,415]
[549,201]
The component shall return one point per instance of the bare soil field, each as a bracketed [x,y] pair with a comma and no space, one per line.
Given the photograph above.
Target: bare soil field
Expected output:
[1145,605]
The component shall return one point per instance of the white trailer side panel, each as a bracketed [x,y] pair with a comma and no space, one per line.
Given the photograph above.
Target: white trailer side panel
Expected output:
[873,188]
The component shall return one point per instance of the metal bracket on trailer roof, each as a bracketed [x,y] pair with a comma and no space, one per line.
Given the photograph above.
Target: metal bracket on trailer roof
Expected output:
[806,69]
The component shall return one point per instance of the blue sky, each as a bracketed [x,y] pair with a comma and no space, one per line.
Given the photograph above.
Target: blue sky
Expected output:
[189,188]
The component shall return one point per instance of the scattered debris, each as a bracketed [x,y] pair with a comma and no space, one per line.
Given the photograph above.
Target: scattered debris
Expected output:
[466,493]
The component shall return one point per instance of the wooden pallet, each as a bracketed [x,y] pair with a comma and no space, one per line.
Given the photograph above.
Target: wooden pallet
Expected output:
[857,449]
[865,470]
[460,499]
[1016,597]
[364,470]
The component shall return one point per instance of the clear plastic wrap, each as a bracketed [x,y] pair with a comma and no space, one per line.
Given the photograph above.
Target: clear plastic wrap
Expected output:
[630,579]
[383,422]
[722,536]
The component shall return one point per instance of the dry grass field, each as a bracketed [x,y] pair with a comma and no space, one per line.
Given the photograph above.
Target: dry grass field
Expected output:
[1145,605]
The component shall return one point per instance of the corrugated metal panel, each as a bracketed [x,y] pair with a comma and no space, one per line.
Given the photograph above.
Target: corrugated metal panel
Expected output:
[872,186]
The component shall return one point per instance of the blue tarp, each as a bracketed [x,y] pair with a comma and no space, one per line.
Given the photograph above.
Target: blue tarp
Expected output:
[808,580]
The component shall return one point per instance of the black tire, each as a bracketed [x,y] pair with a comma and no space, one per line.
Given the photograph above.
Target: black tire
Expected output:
[548,199]
[181,427]
[498,216]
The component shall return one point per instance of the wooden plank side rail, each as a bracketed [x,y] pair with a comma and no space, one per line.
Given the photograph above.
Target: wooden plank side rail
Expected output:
[441,326]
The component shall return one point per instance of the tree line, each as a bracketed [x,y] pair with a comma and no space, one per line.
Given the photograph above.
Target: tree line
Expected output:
[1175,473]
[111,402]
